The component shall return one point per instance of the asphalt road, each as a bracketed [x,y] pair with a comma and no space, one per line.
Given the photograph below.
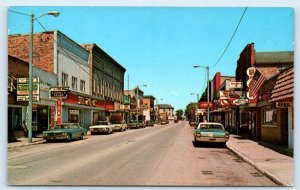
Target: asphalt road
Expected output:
[163,155]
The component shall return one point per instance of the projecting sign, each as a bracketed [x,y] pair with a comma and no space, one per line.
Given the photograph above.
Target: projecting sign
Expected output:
[23,89]
[58,93]
[235,85]
[35,98]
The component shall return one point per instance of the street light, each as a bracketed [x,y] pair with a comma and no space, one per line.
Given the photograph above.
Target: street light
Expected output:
[29,121]
[137,94]
[207,72]
[197,96]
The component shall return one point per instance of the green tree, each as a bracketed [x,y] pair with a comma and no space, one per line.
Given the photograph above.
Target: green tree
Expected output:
[190,110]
[179,114]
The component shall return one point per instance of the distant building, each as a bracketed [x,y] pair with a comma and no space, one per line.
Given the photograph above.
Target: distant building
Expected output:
[149,112]
[165,108]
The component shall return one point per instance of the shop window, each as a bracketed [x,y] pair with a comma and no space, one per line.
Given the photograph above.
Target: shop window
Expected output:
[269,117]
[74,83]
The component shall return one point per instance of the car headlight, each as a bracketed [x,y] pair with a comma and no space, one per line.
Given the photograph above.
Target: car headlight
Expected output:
[227,136]
[198,134]
[64,134]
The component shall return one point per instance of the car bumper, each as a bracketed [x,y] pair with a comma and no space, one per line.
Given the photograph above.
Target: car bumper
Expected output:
[99,130]
[212,139]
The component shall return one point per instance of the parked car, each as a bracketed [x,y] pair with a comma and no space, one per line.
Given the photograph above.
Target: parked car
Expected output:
[176,121]
[141,124]
[211,132]
[66,131]
[102,127]
[194,124]
[149,123]
[119,125]
[164,122]
[132,124]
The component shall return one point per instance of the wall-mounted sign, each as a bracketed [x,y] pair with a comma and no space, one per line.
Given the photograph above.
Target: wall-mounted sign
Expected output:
[86,101]
[283,104]
[74,112]
[204,105]
[58,93]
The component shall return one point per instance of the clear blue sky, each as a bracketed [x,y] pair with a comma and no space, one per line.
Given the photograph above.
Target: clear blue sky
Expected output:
[159,45]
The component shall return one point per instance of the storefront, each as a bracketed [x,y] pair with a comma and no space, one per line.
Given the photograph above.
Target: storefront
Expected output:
[84,109]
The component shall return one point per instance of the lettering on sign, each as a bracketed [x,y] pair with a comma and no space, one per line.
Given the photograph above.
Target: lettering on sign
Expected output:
[86,101]
[283,105]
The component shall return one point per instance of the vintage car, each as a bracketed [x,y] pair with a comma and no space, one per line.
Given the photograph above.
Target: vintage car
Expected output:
[141,124]
[102,127]
[211,132]
[132,124]
[67,131]
[194,124]
[119,125]
[149,123]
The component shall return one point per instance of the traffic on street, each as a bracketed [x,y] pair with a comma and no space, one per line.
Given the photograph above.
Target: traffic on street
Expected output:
[162,155]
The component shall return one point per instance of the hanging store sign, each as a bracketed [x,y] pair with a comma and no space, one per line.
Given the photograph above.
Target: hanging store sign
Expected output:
[283,104]
[235,85]
[58,93]
[23,89]
[204,105]
[230,98]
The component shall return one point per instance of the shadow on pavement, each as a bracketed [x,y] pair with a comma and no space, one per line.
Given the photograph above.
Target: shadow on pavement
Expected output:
[208,145]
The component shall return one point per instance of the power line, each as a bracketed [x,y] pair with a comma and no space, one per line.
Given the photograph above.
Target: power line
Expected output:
[19,13]
[230,38]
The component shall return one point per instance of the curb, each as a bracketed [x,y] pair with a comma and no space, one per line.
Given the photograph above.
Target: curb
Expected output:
[27,144]
[261,169]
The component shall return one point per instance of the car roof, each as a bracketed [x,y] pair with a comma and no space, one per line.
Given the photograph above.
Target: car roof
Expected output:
[210,123]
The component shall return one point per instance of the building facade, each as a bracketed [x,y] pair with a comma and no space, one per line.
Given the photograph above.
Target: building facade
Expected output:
[149,111]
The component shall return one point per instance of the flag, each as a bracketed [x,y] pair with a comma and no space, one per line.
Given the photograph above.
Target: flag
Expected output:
[256,82]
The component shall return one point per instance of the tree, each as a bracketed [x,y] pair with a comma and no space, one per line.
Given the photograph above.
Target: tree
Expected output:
[190,110]
[179,114]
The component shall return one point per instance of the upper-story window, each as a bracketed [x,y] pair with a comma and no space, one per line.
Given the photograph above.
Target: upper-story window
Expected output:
[74,83]
[82,85]
[64,79]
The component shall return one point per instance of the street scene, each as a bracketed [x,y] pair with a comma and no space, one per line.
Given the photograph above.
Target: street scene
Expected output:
[150,96]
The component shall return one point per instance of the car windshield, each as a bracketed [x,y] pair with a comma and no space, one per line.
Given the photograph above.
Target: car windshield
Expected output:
[116,122]
[210,126]
[64,126]
[133,121]
[102,123]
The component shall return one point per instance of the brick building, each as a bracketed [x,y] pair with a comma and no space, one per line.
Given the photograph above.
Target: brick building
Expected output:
[149,112]
[57,54]
[265,66]
[106,79]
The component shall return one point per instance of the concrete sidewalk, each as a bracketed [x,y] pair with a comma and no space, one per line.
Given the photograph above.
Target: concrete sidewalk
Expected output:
[278,167]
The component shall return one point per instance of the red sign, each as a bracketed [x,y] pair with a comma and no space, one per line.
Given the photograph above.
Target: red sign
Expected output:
[52,116]
[58,111]
[203,105]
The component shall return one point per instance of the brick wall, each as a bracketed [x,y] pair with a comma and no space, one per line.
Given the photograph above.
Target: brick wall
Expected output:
[17,67]
[246,60]
[43,49]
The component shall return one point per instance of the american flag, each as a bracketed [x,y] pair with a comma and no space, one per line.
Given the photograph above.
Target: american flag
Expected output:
[256,82]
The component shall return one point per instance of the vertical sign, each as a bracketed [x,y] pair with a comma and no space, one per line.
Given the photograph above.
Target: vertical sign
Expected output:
[58,111]
[52,116]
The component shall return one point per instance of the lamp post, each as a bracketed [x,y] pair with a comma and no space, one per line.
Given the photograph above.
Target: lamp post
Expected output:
[197,96]
[207,72]
[29,121]
[137,94]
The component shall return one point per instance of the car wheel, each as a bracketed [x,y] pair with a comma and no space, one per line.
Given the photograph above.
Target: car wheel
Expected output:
[69,138]
[81,137]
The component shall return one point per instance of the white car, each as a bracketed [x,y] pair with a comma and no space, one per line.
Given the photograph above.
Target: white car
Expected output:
[119,125]
[102,127]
